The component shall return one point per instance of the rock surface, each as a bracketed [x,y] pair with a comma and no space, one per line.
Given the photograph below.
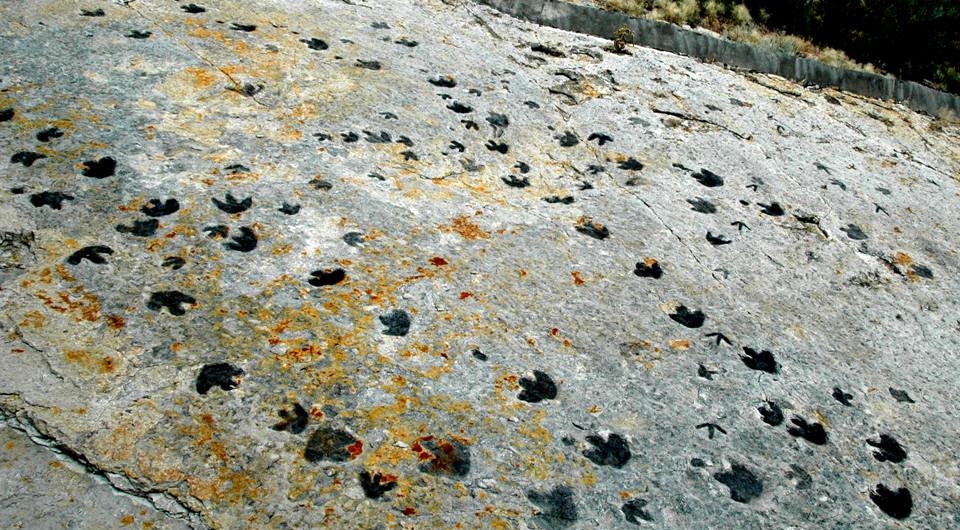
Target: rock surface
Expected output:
[415,264]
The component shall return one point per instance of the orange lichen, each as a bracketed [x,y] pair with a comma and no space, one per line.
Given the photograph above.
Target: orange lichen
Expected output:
[467,230]
[438,261]
[680,344]
[577,280]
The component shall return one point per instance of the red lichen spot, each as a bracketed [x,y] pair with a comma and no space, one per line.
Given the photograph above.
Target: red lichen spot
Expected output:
[115,322]
[355,449]
[465,294]
[554,331]
[316,412]
[438,261]
[522,273]
[576,278]
[408,511]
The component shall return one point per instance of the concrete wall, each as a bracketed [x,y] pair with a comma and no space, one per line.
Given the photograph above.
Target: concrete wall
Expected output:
[671,38]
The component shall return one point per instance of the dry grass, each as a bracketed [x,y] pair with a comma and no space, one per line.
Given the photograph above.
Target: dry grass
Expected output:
[738,24]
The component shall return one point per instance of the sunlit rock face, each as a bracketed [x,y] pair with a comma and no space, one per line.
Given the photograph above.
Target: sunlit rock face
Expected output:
[416,264]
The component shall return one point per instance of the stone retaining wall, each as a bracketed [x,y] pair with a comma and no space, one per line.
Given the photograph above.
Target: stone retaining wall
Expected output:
[668,37]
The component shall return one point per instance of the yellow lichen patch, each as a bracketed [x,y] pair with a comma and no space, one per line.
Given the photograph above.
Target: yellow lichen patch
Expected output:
[466,228]
[32,319]
[83,305]
[680,344]
[91,361]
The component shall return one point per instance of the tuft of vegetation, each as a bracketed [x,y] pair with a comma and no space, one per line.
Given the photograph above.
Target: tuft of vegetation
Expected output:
[912,39]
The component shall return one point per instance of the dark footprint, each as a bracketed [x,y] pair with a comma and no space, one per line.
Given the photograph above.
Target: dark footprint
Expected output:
[557,507]
[762,360]
[539,388]
[49,134]
[193,9]
[523,167]
[172,300]
[897,504]
[460,108]
[294,420]
[900,395]
[6,114]
[601,138]
[515,182]
[327,277]
[744,484]
[701,205]
[854,232]
[91,254]
[231,205]
[328,443]
[888,449]
[708,178]
[174,262]
[771,413]
[444,457]
[53,199]
[717,240]
[140,228]
[243,27]
[841,396]
[586,225]
[648,268]
[217,231]
[567,139]
[811,432]
[223,375]
[93,13]
[397,323]
[158,208]
[315,44]
[499,147]
[634,511]
[691,319]
[374,486]
[289,209]
[245,242]
[613,451]
[631,164]
[27,158]
[99,169]
[553,199]
[499,122]
[773,209]
[139,35]
[443,81]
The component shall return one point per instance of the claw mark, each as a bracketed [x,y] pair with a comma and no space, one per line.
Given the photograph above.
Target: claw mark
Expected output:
[567,139]
[900,395]
[704,372]
[631,164]
[633,511]
[740,225]
[499,147]
[499,122]
[48,134]
[193,9]
[445,81]
[720,338]
[553,199]
[854,232]
[460,108]
[601,138]
[773,209]
[289,209]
